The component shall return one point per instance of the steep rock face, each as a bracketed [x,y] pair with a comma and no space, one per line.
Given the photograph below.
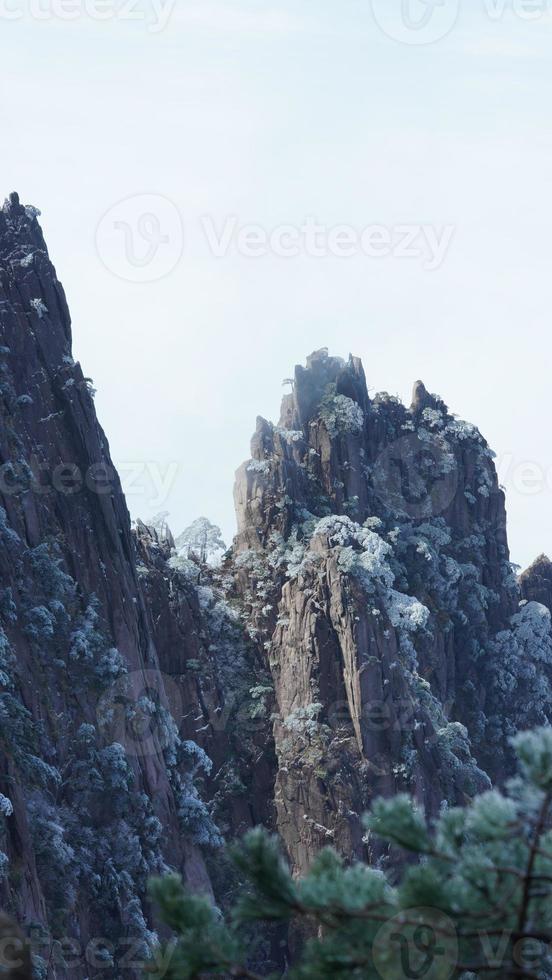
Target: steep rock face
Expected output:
[98,786]
[214,677]
[374,560]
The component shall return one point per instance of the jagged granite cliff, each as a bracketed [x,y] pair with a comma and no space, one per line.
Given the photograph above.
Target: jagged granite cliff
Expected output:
[365,634]
[98,786]
[374,565]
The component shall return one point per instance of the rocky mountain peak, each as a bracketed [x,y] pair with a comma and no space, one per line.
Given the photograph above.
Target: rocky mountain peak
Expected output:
[376,535]
[536,581]
[422,399]
[312,383]
[19,227]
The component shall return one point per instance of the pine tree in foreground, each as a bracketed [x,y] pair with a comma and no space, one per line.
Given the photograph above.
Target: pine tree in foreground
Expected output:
[477,903]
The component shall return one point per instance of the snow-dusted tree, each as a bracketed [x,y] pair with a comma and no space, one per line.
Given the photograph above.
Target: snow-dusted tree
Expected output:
[200,540]
[477,903]
[159,523]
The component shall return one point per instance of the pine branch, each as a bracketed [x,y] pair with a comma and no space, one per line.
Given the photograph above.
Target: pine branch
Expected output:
[539,830]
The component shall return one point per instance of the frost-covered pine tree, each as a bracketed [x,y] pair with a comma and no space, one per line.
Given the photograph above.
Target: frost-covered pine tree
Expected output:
[200,540]
[477,902]
[160,524]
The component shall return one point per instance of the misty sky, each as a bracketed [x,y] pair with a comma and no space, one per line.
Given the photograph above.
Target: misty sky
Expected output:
[204,118]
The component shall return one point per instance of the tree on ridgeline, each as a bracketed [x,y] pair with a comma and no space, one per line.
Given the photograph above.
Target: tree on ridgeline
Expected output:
[200,540]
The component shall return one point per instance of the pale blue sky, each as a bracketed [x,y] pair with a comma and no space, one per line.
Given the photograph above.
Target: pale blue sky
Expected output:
[273,112]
